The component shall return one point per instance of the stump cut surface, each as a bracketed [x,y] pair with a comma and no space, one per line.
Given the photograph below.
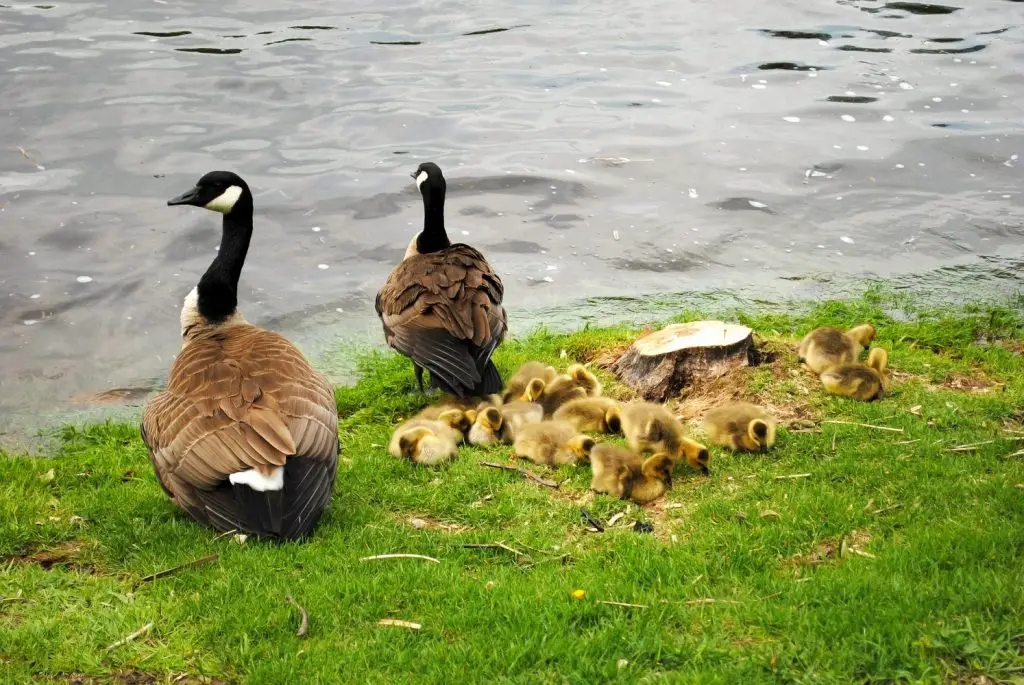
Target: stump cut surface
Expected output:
[663,363]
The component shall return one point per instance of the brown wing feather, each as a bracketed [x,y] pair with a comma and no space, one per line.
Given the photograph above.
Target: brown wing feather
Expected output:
[237,398]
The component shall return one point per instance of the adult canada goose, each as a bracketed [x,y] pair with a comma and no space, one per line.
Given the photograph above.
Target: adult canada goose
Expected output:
[245,436]
[441,306]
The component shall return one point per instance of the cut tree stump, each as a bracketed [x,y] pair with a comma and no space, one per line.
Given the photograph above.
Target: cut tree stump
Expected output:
[661,364]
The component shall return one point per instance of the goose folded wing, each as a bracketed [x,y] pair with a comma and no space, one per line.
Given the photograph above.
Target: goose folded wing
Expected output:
[214,419]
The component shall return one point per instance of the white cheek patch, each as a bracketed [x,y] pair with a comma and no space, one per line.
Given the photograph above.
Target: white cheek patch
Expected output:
[225,202]
[421,178]
[257,481]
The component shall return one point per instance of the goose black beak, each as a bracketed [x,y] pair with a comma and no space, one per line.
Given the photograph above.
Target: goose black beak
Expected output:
[705,470]
[413,175]
[189,197]
[764,448]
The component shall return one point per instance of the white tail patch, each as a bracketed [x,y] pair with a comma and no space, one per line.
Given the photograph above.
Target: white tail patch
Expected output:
[225,202]
[257,481]
[421,178]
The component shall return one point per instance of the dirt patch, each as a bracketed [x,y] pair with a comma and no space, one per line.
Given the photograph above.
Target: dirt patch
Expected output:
[427,523]
[135,678]
[827,551]
[975,383]
[66,555]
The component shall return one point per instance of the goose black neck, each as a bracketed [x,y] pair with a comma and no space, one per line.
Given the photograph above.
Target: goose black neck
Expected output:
[218,288]
[433,237]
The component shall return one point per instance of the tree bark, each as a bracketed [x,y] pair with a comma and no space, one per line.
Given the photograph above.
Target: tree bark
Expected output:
[661,364]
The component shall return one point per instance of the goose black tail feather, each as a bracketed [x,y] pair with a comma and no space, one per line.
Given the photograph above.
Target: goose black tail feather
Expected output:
[287,514]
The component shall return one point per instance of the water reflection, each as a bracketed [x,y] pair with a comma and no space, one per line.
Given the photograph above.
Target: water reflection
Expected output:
[592,150]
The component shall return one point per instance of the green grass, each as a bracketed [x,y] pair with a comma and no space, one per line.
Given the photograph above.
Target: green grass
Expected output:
[831,590]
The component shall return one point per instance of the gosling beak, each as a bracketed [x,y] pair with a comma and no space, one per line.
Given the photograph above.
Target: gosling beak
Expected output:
[189,197]
[764,448]
[705,470]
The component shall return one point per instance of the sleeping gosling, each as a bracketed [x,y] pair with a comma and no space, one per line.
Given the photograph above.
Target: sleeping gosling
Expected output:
[489,428]
[828,346]
[563,389]
[428,441]
[459,419]
[592,415]
[583,378]
[624,474]
[552,443]
[864,382]
[741,426]
[650,427]
[519,413]
[516,387]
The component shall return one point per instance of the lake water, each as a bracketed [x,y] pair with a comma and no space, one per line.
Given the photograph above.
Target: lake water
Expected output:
[593,150]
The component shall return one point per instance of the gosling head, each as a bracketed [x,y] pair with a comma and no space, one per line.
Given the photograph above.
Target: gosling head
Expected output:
[659,466]
[581,446]
[613,419]
[863,334]
[534,389]
[457,419]
[409,441]
[218,191]
[760,434]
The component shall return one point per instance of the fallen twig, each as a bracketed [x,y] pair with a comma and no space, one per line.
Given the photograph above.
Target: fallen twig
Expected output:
[5,600]
[398,623]
[137,634]
[861,553]
[401,556]
[622,604]
[303,620]
[180,567]
[876,512]
[495,545]
[973,447]
[616,518]
[907,442]
[1018,453]
[709,600]
[792,476]
[532,476]
[866,425]
[224,534]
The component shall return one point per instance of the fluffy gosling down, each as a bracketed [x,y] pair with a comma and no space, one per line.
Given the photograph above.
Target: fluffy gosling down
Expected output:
[489,428]
[650,427]
[517,385]
[592,415]
[626,475]
[552,443]
[429,441]
[741,426]
[864,382]
[575,384]
[827,346]
[519,413]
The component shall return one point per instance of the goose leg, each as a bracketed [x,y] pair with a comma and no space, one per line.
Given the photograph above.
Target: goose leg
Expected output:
[419,377]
